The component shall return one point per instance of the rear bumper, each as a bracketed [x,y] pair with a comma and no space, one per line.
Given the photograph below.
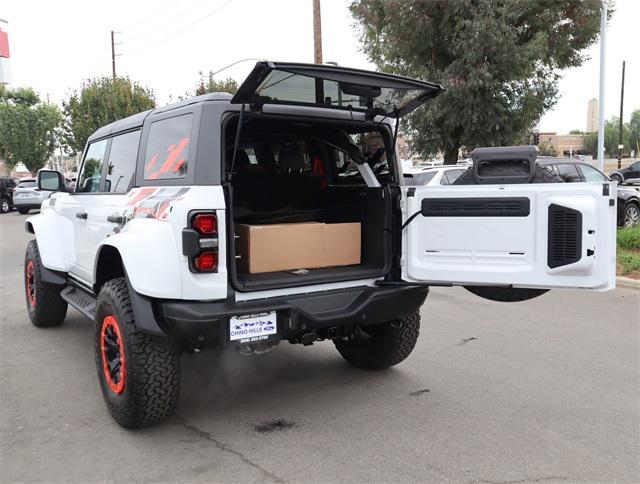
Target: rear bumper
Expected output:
[29,203]
[330,313]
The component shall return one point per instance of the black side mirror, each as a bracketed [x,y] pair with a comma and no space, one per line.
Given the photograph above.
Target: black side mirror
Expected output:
[51,180]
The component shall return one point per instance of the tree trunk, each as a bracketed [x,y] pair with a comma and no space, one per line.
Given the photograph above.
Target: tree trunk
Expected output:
[451,155]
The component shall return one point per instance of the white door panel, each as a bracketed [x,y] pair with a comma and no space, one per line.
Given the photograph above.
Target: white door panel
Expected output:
[101,206]
[534,235]
[68,207]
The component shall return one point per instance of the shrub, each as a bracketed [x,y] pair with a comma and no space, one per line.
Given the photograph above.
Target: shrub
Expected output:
[629,237]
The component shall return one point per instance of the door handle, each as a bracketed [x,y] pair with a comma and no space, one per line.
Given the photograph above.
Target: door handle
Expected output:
[82,215]
[116,219]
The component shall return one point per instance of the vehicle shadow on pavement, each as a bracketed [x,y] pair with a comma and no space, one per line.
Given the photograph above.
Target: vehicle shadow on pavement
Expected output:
[288,380]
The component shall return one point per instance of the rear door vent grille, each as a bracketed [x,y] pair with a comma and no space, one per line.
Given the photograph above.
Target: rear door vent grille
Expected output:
[476,207]
[565,236]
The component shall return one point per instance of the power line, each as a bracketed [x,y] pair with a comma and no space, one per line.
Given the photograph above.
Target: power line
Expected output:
[145,20]
[184,29]
[170,22]
[101,59]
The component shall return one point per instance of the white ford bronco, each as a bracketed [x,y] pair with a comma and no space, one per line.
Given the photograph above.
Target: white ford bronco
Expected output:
[155,242]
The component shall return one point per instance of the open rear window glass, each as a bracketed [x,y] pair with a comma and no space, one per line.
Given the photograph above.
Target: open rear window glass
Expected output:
[375,93]
[286,87]
[167,153]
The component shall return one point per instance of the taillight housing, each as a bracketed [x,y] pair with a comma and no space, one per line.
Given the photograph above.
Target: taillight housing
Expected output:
[200,241]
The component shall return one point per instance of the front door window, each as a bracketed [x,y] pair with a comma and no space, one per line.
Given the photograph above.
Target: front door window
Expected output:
[89,179]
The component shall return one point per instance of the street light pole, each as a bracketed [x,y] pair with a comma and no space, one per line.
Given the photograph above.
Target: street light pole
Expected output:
[621,105]
[603,51]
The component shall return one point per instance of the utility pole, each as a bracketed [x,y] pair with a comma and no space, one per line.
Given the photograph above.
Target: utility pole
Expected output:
[113,56]
[603,52]
[620,145]
[317,33]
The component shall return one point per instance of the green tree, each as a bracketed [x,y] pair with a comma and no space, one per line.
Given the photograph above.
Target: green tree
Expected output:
[630,136]
[547,149]
[612,136]
[28,128]
[228,85]
[591,143]
[498,59]
[101,101]
[576,131]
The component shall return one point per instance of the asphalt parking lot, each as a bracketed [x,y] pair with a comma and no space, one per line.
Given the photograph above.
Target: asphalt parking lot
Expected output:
[542,391]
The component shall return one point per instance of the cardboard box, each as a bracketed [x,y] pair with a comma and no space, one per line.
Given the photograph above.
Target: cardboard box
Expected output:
[280,247]
[341,244]
[287,247]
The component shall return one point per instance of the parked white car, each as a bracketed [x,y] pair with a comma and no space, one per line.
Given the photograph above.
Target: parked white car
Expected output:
[27,196]
[445,175]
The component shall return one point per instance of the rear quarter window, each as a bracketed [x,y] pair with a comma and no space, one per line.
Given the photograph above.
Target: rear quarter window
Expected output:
[168,146]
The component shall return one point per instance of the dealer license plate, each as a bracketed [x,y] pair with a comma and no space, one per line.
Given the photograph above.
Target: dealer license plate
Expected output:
[252,328]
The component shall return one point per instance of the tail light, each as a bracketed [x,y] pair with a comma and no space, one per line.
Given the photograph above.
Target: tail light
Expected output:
[205,223]
[207,261]
[200,241]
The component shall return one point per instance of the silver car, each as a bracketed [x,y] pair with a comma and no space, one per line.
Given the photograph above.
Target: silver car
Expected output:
[27,196]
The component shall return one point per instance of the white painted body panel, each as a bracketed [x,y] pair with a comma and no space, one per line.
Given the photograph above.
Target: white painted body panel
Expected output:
[151,246]
[510,250]
[54,235]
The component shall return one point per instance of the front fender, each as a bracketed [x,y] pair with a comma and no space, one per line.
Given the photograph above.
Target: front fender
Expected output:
[54,235]
[150,257]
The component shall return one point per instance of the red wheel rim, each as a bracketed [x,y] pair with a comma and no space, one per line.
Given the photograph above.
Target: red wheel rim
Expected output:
[113,360]
[31,284]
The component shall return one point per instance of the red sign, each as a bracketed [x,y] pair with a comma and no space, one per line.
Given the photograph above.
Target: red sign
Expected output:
[4,44]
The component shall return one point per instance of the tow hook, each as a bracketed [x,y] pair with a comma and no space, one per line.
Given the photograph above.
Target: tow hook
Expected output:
[308,339]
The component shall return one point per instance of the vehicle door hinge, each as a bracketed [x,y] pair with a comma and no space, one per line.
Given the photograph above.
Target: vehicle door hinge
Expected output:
[411,192]
[605,190]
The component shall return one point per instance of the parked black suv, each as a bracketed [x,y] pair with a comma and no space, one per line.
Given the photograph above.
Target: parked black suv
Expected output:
[578,171]
[7,184]
[630,172]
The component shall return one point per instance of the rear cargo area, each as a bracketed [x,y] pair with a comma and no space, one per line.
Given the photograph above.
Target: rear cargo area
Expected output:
[300,210]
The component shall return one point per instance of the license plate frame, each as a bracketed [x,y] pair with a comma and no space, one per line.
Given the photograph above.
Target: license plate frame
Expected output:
[253,328]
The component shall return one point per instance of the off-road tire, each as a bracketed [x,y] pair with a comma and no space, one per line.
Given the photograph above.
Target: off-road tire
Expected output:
[541,175]
[151,364]
[5,205]
[382,345]
[23,211]
[45,306]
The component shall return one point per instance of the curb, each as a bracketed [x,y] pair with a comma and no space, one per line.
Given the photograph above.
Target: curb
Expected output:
[627,282]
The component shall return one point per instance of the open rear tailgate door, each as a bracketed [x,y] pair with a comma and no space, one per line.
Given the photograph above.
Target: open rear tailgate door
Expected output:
[373,93]
[547,235]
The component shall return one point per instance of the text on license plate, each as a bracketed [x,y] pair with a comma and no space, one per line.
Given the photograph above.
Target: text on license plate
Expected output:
[252,327]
